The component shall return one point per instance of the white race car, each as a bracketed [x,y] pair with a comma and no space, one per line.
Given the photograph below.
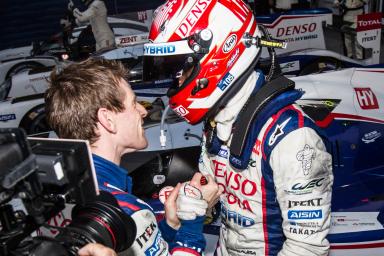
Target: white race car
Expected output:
[129,29]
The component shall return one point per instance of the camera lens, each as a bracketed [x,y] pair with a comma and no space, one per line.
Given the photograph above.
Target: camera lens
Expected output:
[99,222]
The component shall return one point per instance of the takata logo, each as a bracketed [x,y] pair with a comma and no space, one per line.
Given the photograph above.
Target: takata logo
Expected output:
[192,17]
[296,29]
[366,98]
[230,43]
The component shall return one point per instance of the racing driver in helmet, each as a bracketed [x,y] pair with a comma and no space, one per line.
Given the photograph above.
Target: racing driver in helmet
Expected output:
[267,155]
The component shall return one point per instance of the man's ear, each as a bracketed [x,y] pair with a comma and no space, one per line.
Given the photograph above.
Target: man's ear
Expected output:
[107,119]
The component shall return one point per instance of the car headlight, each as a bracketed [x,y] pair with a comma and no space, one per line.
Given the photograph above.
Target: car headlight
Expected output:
[4,88]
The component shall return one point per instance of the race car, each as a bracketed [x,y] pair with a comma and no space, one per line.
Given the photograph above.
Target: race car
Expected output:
[129,29]
[305,54]
[25,112]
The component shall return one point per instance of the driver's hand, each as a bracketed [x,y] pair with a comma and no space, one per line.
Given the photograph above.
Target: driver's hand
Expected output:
[96,250]
[211,191]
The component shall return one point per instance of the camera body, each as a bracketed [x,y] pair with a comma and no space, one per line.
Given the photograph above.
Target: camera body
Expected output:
[37,178]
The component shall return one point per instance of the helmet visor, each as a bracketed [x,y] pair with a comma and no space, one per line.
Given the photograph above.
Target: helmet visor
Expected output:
[166,60]
[167,67]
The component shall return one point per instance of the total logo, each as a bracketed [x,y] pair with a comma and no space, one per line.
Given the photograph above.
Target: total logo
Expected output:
[368,22]
[305,215]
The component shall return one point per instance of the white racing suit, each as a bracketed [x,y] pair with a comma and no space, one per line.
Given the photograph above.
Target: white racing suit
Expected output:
[278,202]
[96,14]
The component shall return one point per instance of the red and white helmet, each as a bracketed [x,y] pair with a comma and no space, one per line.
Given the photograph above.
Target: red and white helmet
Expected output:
[211,36]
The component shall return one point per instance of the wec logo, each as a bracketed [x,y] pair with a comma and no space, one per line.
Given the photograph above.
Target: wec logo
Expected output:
[312,184]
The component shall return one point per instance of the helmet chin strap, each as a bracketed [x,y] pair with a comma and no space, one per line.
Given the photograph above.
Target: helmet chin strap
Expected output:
[227,116]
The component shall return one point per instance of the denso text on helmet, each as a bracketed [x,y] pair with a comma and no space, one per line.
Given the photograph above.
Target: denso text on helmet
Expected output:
[192,17]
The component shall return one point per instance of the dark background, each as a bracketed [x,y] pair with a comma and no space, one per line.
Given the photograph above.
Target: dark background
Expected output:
[25,21]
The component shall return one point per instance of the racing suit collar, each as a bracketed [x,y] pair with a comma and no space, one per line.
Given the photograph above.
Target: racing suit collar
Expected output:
[227,116]
[110,173]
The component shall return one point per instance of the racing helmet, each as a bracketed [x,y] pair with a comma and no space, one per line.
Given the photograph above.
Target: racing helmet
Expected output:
[209,42]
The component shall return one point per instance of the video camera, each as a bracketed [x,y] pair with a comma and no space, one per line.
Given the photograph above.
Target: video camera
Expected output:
[37,178]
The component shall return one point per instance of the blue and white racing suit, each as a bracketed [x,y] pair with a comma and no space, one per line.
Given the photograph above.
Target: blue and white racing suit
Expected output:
[152,238]
[277,196]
